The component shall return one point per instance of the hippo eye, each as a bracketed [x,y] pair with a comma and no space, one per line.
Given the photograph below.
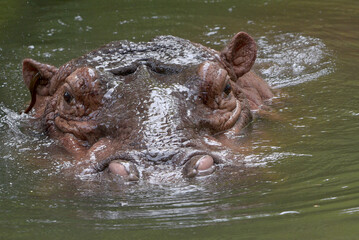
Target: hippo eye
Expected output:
[227,89]
[67,97]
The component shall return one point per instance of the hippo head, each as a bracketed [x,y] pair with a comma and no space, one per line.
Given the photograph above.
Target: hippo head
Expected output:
[137,104]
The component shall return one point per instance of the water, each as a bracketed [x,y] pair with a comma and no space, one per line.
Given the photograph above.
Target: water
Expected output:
[300,179]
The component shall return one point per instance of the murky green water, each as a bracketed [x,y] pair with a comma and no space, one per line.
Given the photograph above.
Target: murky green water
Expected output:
[301,179]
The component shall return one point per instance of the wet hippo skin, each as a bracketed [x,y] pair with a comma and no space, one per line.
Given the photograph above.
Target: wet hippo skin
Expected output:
[129,104]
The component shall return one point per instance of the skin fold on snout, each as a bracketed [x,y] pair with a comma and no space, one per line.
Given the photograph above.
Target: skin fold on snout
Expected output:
[225,118]
[217,94]
[82,130]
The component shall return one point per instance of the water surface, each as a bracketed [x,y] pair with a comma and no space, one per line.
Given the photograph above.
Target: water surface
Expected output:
[301,175]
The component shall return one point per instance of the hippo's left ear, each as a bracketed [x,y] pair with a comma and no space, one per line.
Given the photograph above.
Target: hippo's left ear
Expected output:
[33,72]
[37,78]
[239,55]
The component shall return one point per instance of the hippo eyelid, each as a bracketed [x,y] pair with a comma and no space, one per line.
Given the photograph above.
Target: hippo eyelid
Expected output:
[124,71]
[154,65]
[163,69]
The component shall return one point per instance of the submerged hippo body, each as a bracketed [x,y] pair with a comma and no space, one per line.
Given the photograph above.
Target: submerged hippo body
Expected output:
[139,104]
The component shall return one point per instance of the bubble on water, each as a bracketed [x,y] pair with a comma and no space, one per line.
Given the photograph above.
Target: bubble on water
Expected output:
[79,18]
[214,36]
[290,59]
[125,21]
[47,54]
[58,49]
[61,22]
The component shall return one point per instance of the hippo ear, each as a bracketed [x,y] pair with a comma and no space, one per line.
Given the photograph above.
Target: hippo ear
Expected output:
[35,73]
[37,77]
[239,55]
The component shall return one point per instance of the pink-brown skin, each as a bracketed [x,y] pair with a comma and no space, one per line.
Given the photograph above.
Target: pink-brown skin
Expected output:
[72,120]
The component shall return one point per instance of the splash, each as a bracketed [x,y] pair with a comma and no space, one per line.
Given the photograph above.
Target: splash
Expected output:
[21,140]
[10,124]
[289,59]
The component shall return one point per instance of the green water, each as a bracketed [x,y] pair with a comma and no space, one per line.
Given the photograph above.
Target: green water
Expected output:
[301,179]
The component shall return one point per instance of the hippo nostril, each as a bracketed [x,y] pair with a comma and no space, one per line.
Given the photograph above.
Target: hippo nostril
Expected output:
[122,164]
[125,169]
[118,168]
[204,163]
[200,165]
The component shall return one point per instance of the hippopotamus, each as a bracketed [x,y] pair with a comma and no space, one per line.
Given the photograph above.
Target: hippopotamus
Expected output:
[165,102]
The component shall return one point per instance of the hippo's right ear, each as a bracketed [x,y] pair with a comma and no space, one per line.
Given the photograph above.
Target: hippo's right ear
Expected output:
[37,77]
[239,55]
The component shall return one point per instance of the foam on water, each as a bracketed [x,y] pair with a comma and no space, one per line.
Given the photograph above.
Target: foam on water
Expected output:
[289,59]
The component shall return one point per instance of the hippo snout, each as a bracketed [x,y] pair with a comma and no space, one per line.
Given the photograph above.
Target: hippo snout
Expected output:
[193,163]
